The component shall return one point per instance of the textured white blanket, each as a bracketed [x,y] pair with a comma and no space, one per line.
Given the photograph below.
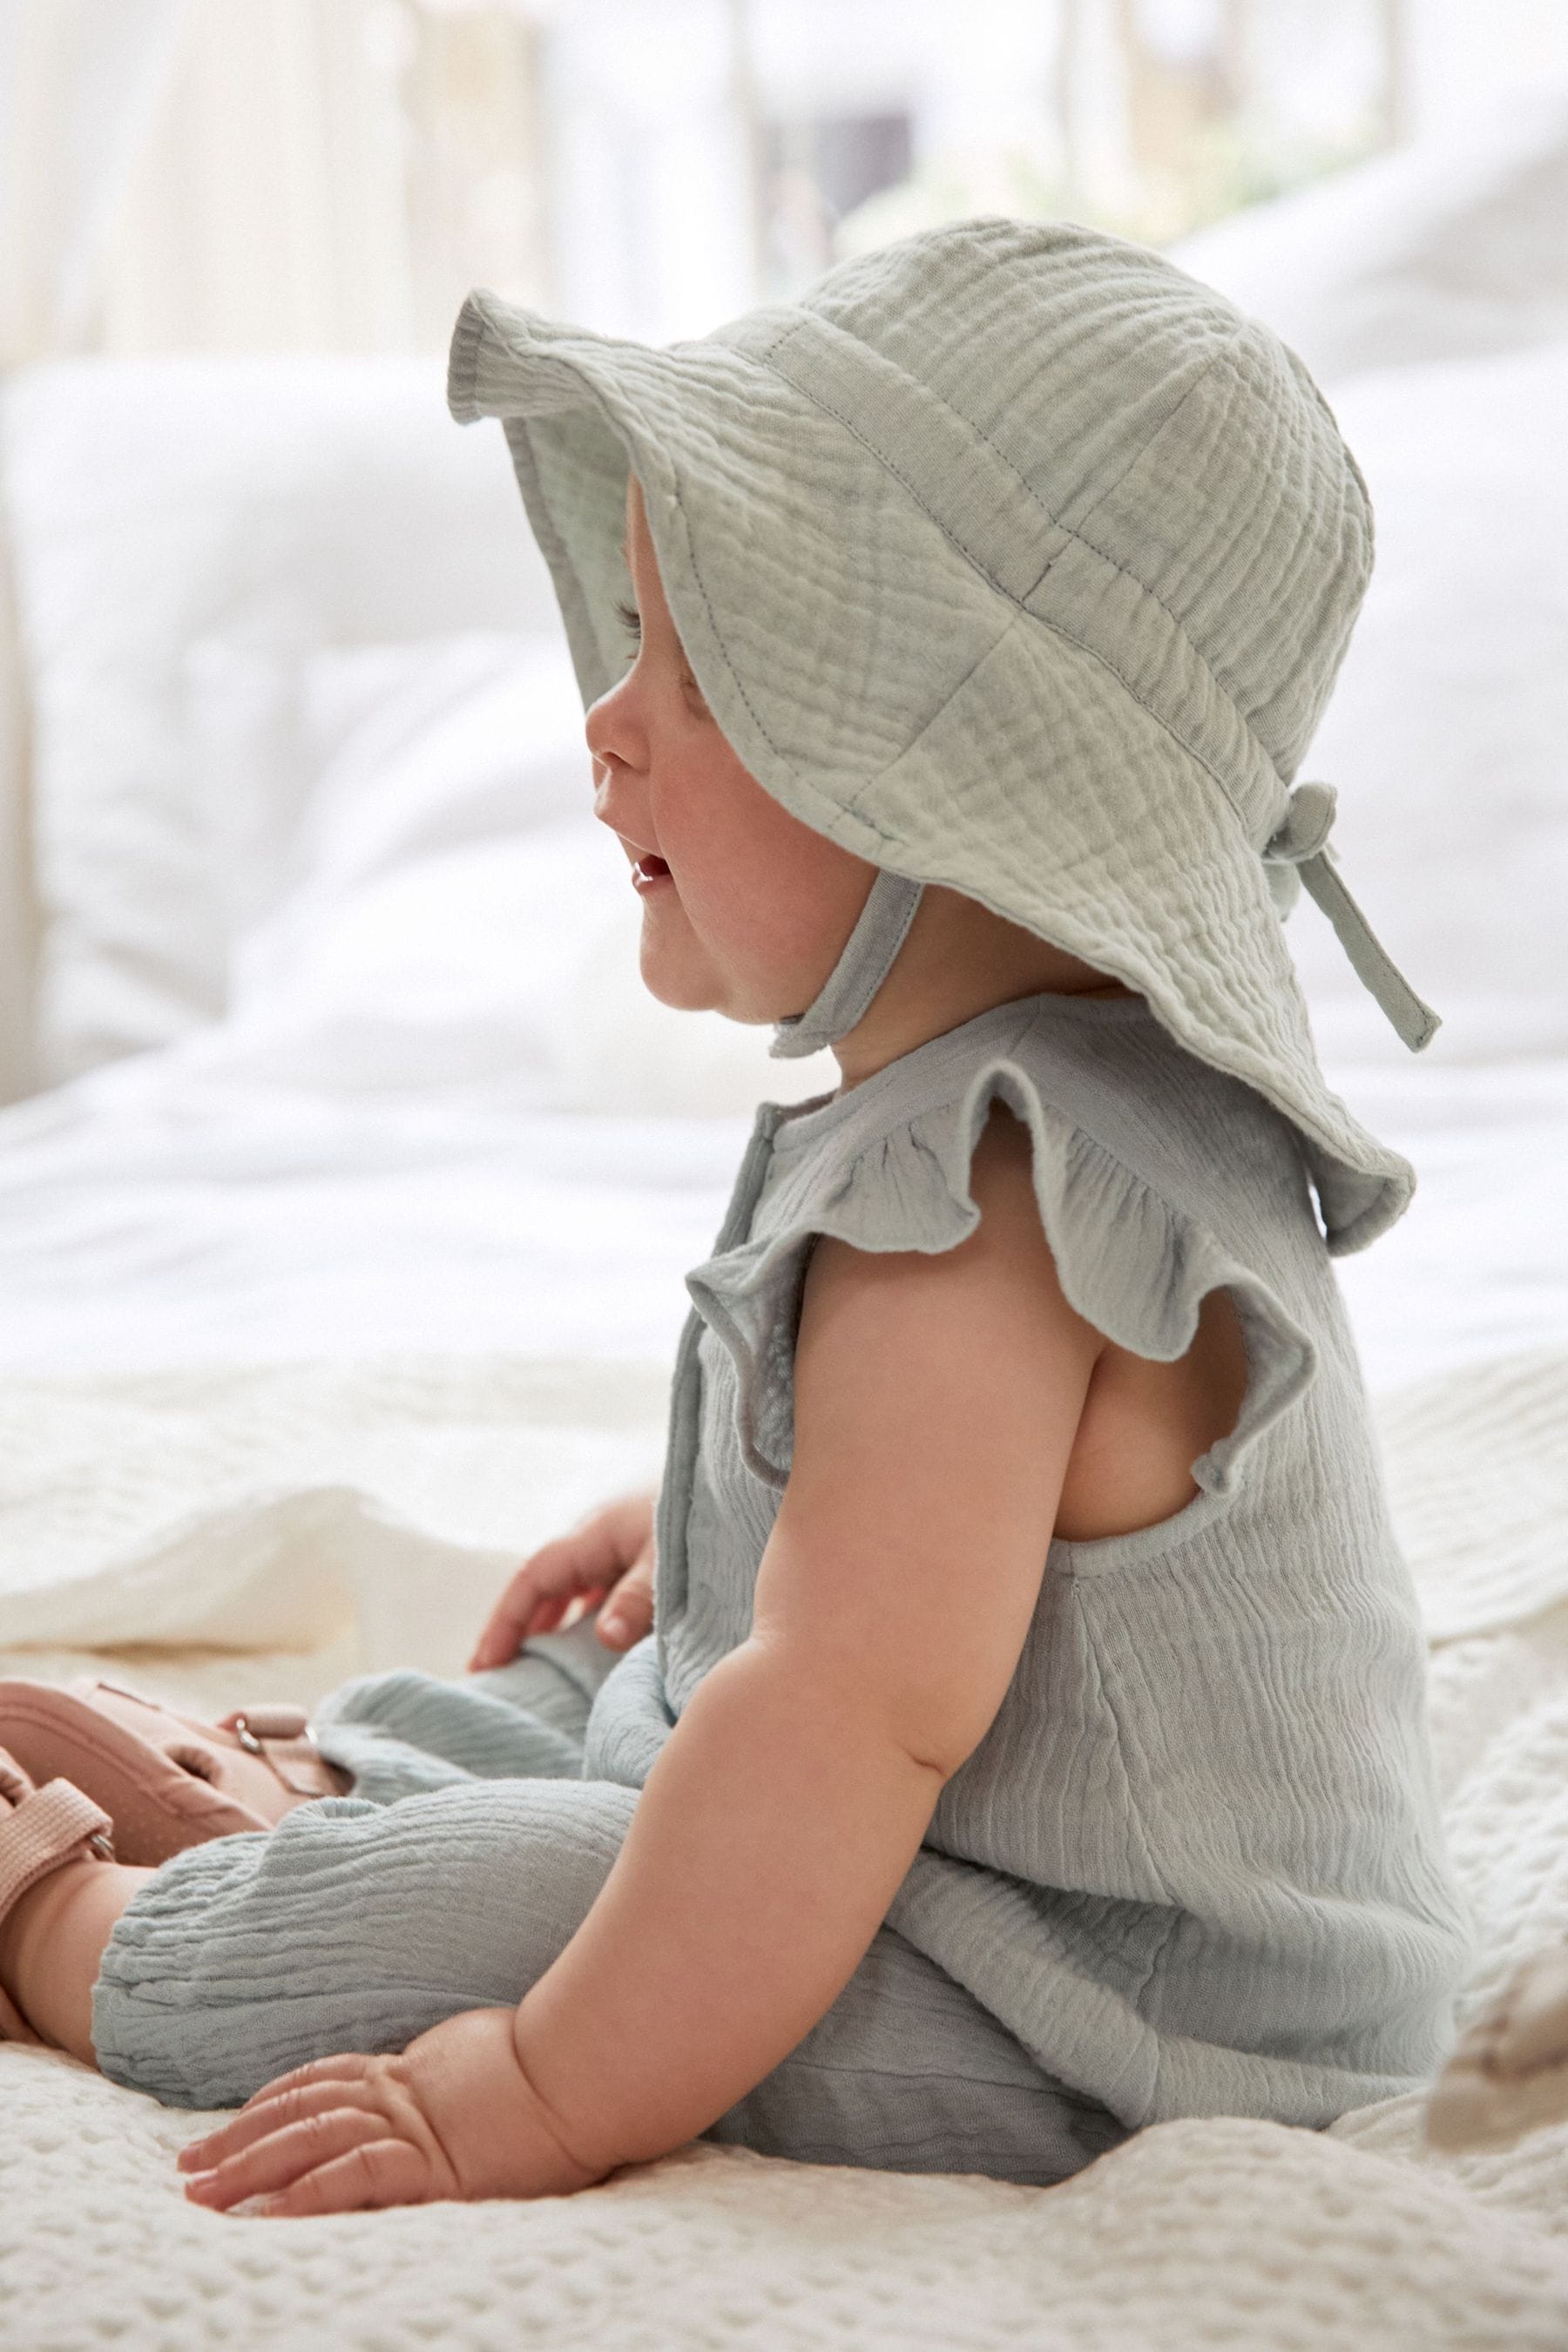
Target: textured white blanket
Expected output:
[317,1519]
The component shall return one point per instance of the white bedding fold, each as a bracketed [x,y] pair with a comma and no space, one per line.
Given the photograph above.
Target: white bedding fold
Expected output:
[281,1510]
[273,1508]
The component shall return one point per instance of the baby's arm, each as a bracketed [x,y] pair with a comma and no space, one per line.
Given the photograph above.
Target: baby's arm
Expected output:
[936,1402]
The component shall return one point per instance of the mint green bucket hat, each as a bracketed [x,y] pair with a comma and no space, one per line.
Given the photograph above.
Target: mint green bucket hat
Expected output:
[1011,557]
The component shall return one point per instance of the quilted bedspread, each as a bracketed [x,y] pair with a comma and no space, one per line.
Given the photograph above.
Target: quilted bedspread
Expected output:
[259,1535]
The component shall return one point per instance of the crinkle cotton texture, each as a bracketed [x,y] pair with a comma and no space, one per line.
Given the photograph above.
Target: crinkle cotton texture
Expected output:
[1011,557]
[1196,1864]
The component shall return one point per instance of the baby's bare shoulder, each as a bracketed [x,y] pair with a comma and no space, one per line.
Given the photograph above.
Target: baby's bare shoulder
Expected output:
[937,1398]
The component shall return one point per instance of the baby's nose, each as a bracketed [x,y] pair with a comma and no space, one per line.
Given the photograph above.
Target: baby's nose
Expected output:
[615,798]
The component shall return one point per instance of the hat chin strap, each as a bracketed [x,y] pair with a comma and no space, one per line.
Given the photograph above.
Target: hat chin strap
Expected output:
[1302,841]
[862,967]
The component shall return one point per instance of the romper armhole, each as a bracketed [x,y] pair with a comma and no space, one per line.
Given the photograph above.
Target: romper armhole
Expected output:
[1130,1261]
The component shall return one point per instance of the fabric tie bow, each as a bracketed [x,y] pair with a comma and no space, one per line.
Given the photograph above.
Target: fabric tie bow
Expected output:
[1302,841]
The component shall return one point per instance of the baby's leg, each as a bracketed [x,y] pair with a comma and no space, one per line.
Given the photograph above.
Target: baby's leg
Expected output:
[906,2073]
[402,1733]
[351,1925]
[51,1946]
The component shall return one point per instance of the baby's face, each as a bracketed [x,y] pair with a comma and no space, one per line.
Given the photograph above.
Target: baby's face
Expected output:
[754,907]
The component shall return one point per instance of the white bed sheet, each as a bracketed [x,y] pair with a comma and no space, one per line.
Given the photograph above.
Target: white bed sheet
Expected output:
[167,1211]
[154,1216]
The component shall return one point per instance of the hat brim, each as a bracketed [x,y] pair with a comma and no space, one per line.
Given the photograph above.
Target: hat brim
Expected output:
[889,695]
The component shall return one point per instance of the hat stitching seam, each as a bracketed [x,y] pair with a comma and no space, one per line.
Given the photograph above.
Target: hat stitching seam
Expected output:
[1074,530]
[1021,611]
[1019,603]
[1159,721]
[929,390]
[1077,530]
[853,805]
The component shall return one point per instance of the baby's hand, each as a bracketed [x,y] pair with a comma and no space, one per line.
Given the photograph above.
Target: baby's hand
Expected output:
[611,1549]
[454,2117]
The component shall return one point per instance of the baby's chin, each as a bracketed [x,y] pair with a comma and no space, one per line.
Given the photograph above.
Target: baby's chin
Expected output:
[683,975]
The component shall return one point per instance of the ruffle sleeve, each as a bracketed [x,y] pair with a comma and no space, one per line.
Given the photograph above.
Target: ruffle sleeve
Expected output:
[1132,1262]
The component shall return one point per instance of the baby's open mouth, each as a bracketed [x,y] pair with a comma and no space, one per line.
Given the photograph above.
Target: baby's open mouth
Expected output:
[649,870]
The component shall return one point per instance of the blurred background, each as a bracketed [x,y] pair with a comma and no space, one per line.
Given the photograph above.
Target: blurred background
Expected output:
[319,1019]
[334,175]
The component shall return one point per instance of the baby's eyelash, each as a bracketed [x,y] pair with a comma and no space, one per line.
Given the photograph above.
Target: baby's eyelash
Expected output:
[631,620]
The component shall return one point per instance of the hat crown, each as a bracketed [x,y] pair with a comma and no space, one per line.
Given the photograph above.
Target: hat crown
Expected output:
[1146,421]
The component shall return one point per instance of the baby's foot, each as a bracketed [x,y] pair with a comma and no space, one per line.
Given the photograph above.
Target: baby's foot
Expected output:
[47,1836]
[167,1780]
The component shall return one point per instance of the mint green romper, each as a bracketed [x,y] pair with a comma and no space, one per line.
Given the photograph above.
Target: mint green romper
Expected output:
[1196,1865]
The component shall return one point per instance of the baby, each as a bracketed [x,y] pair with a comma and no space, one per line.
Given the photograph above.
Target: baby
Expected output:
[1023,1734]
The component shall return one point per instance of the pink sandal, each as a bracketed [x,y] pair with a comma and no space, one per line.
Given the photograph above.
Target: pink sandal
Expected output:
[166,1781]
[40,1829]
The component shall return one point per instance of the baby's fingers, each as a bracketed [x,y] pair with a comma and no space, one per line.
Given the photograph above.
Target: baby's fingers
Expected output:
[288,2100]
[549,1578]
[627,1615]
[378,2172]
[530,1604]
[282,2158]
[343,2066]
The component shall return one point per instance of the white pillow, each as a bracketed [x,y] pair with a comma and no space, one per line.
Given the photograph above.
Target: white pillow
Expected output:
[280,504]
[430,743]
[1445,249]
[1446,731]
[454,918]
